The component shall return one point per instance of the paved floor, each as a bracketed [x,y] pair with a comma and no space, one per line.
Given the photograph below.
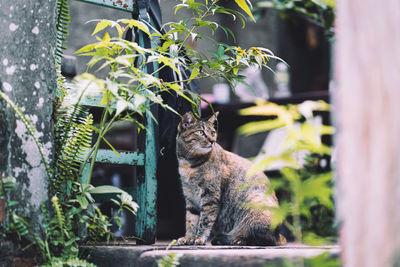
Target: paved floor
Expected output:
[125,254]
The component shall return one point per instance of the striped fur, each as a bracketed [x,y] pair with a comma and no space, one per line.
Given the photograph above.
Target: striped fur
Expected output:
[220,199]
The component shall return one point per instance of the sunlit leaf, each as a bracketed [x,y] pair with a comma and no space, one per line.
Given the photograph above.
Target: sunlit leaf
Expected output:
[137,24]
[310,134]
[101,26]
[121,106]
[264,108]
[168,62]
[86,48]
[179,7]
[243,5]
[325,259]
[318,187]
[194,74]
[260,126]
[313,239]
[330,3]
[139,100]
[126,60]
[325,129]
[106,37]
[280,214]
[291,175]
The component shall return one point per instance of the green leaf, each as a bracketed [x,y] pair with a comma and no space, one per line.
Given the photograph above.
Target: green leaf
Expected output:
[106,37]
[309,134]
[313,239]
[82,201]
[179,7]
[227,30]
[138,24]
[291,175]
[126,60]
[260,165]
[87,187]
[194,74]
[106,189]
[86,48]
[243,5]
[324,259]
[330,3]
[111,146]
[122,105]
[325,129]
[95,59]
[260,126]
[280,214]
[168,62]
[120,30]
[318,187]
[101,26]
[221,51]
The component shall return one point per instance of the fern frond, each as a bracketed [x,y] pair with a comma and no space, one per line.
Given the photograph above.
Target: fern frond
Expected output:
[62,22]
[76,147]
[67,120]
[63,19]
[23,229]
[60,218]
[61,85]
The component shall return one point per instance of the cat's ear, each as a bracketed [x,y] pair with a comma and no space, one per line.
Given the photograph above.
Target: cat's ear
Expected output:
[187,119]
[213,118]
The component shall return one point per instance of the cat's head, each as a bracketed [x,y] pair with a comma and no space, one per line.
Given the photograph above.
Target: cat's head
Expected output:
[196,137]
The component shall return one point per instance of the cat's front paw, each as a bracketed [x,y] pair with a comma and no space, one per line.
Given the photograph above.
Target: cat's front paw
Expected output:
[182,241]
[186,241]
[190,241]
[199,242]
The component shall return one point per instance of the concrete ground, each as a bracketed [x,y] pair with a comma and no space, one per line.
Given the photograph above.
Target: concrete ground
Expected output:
[205,256]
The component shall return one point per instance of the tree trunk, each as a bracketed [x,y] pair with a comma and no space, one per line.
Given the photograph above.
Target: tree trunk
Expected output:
[368,141]
[28,78]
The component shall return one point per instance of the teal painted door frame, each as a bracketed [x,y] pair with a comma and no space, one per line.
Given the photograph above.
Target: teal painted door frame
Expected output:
[145,192]
[125,5]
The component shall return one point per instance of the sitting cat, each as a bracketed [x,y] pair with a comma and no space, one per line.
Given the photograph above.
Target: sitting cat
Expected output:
[218,193]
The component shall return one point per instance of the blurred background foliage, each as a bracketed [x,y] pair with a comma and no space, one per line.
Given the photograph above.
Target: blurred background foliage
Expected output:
[321,12]
[305,184]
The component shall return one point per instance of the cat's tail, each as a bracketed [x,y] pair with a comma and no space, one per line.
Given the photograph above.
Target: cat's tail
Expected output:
[222,239]
[263,236]
[255,237]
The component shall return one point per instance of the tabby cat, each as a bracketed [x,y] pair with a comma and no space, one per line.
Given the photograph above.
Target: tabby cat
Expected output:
[218,193]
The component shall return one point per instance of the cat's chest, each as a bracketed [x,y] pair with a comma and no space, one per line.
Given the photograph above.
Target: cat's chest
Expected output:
[191,177]
[186,171]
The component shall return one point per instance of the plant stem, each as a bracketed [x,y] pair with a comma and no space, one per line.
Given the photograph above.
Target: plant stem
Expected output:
[296,211]
[97,145]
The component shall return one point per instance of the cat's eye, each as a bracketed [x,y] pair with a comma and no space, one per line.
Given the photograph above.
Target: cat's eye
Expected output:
[201,132]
